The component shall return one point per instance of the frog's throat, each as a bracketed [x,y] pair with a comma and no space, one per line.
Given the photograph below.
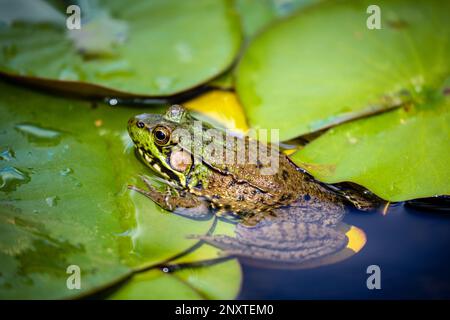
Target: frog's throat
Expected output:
[155,165]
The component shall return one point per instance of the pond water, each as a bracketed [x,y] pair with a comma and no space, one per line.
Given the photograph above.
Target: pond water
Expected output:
[410,245]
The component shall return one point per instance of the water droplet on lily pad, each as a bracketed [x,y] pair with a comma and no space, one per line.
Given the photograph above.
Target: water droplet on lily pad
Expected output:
[66,171]
[11,178]
[52,201]
[38,134]
[165,270]
[113,102]
[7,154]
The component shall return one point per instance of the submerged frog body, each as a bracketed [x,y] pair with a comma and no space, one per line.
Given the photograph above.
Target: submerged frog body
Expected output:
[283,215]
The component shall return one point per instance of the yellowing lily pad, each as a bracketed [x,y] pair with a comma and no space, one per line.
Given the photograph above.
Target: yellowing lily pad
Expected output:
[323,65]
[148,48]
[222,107]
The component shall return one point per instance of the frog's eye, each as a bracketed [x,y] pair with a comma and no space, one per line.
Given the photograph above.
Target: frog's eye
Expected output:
[162,135]
[140,124]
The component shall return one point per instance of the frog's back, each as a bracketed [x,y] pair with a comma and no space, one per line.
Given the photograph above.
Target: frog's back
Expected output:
[246,189]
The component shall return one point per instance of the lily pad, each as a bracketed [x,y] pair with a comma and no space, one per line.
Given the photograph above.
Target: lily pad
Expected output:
[160,236]
[399,155]
[149,48]
[195,283]
[254,17]
[65,212]
[323,65]
[64,170]
[224,81]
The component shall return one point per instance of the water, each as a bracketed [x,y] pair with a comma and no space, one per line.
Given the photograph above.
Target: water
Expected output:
[411,246]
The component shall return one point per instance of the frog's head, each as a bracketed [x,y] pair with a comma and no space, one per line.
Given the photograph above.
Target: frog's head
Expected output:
[156,143]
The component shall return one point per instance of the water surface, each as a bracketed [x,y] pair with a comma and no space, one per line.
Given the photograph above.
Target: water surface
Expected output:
[411,246]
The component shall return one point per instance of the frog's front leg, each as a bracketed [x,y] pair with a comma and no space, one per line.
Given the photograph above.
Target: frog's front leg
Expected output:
[183,204]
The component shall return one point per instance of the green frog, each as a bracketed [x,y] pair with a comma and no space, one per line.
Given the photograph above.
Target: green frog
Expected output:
[283,215]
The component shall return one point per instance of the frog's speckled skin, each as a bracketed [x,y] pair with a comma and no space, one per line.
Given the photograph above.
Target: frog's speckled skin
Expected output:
[287,216]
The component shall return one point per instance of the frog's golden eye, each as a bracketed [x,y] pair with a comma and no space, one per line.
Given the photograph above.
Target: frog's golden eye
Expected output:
[162,135]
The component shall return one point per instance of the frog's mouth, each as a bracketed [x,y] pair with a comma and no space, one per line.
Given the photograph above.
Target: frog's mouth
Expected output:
[155,164]
[147,157]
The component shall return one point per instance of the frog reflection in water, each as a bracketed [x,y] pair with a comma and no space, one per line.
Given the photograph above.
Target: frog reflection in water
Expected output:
[284,217]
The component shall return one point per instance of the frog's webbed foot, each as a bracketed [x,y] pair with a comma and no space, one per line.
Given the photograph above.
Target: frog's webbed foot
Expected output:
[281,241]
[180,203]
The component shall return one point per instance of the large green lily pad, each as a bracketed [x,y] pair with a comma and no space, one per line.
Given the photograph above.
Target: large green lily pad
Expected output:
[399,155]
[64,170]
[149,48]
[254,17]
[323,66]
